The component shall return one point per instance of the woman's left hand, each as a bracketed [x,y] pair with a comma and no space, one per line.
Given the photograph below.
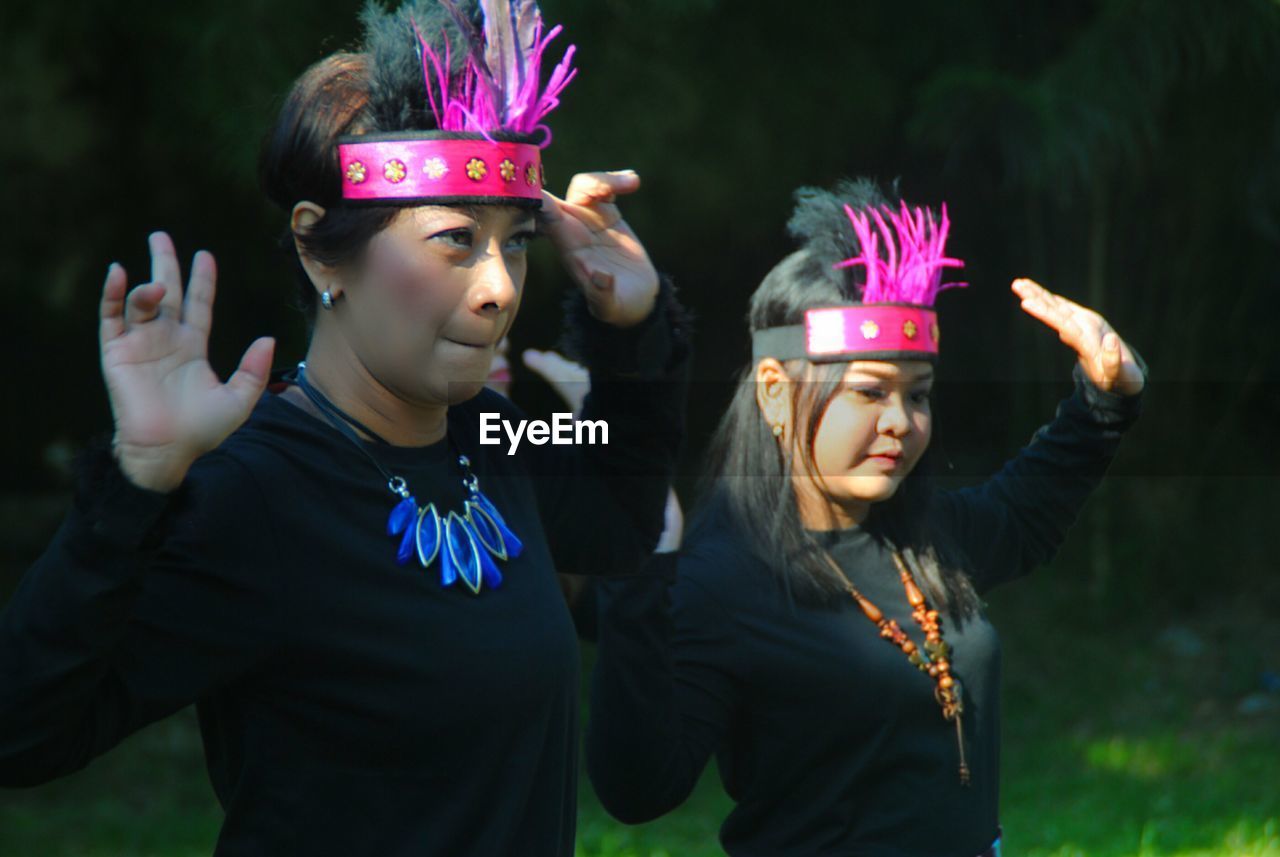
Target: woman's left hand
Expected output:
[598,247]
[1106,359]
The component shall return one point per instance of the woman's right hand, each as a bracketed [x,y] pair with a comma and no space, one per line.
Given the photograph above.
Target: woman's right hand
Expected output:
[168,404]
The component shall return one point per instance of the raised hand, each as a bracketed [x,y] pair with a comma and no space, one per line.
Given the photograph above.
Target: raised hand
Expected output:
[168,404]
[601,252]
[1105,357]
[570,380]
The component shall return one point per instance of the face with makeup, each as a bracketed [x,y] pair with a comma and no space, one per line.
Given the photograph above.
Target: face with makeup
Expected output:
[433,295]
[869,437]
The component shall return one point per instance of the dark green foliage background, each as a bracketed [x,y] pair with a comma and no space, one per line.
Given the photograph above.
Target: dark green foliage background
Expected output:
[1125,153]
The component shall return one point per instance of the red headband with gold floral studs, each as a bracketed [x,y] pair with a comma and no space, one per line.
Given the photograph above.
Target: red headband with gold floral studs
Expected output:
[452,166]
[902,255]
[488,112]
[852,332]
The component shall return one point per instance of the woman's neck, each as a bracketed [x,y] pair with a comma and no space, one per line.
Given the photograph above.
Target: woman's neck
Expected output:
[346,382]
[818,512]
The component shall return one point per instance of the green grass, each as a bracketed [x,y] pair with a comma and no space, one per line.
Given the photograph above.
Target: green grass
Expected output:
[1114,745]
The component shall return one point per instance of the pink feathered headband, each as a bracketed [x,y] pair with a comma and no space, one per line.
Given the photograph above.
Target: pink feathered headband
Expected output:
[903,256]
[489,118]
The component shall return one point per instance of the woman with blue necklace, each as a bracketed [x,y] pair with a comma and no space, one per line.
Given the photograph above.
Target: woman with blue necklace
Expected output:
[357,594]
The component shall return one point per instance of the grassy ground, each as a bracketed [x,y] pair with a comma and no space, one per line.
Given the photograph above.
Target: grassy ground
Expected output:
[1121,738]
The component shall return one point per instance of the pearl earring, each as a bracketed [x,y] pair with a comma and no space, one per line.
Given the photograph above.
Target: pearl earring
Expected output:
[777,429]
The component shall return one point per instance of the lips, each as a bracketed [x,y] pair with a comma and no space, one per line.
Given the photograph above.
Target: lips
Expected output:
[889,458]
[466,344]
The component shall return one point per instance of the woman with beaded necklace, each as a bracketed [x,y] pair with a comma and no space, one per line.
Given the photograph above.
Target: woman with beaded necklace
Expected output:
[357,594]
[823,633]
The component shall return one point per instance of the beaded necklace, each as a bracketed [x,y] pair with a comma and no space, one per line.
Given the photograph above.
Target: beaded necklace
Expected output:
[934,660]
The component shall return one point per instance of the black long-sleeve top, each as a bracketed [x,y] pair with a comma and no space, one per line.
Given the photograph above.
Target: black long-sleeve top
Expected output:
[828,740]
[348,705]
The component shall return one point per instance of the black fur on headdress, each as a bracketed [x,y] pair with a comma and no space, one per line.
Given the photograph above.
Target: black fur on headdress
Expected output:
[826,235]
[397,95]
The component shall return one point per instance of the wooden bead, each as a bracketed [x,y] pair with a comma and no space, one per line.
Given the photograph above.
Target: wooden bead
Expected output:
[914,597]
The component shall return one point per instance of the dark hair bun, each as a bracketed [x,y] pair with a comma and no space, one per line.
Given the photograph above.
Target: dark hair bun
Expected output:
[819,221]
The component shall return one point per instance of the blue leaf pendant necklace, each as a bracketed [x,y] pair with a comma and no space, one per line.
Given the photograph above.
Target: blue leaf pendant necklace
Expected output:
[466,543]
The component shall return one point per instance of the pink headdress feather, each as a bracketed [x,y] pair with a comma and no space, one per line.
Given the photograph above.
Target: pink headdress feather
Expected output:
[499,87]
[910,269]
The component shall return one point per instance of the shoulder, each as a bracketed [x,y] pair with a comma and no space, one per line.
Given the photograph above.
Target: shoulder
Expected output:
[717,563]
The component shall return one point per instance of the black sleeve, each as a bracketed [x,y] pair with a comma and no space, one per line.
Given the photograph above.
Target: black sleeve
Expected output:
[1017,519]
[602,506]
[665,688]
[142,603]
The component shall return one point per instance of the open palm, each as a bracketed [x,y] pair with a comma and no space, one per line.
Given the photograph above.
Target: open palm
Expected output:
[1106,359]
[168,404]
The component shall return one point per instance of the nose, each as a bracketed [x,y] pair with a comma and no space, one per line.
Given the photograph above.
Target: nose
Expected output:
[893,418]
[494,289]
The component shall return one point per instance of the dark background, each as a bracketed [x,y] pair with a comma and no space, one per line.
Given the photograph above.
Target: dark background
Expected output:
[1125,154]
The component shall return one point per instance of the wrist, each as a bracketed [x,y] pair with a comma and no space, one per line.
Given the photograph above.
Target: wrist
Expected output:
[156,470]
[648,349]
[623,317]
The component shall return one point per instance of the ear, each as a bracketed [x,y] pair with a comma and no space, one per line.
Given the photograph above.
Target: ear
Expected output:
[773,393]
[304,217]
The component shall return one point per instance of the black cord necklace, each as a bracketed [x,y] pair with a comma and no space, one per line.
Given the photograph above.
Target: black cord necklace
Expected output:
[465,543]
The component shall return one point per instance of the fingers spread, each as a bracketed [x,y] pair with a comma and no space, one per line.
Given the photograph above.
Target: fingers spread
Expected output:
[250,377]
[143,303]
[111,310]
[164,269]
[197,305]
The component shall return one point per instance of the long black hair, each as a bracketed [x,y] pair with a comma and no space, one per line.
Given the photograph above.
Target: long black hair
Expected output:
[748,483]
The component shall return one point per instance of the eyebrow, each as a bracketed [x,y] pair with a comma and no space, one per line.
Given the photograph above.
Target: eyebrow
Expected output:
[523,221]
[925,375]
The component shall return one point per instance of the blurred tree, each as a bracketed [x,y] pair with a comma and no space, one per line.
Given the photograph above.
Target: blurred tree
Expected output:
[1107,143]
